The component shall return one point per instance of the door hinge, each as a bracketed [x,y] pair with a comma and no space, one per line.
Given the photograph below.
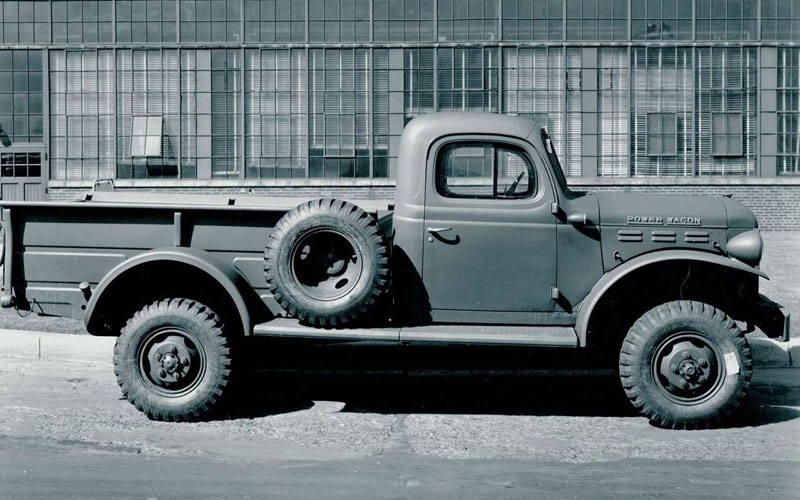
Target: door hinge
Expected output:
[555,293]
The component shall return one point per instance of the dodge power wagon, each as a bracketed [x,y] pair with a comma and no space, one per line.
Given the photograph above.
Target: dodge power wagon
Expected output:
[485,243]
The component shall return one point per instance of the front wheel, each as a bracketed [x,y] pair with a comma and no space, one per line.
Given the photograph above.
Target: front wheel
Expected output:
[173,360]
[685,365]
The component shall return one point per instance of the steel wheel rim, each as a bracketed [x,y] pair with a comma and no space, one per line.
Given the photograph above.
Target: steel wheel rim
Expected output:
[687,368]
[326,264]
[172,362]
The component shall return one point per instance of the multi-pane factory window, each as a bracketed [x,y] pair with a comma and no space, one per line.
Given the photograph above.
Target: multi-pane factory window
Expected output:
[780,20]
[21,95]
[195,80]
[533,20]
[403,20]
[146,136]
[226,113]
[210,114]
[661,20]
[662,95]
[612,108]
[146,21]
[460,20]
[147,87]
[339,113]
[25,21]
[387,66]
[20,164]
[571,160]
[275,21]
[662,134]
[788,106]
[276,144]
[83,22]
[597,19]
[728,20]
[468,79]
[338,20]
[211,20]
[726,83]
[81,114]
[418,92]
[726,134]
[533,87]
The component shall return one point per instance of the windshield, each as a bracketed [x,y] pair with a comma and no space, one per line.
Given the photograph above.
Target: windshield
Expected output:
[551,154]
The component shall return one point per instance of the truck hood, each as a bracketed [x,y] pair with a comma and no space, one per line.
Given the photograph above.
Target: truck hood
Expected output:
[618,209]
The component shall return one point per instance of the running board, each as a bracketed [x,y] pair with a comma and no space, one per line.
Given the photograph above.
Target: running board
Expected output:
[556,336]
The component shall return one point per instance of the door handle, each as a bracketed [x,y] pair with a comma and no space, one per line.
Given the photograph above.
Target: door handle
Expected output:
[437,230]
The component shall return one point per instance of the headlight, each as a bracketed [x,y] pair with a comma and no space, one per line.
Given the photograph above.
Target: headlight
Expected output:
[746,247]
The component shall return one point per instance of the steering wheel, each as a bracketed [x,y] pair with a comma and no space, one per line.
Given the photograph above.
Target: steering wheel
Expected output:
[513,187]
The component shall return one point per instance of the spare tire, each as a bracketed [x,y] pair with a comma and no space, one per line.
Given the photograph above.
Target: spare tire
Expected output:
[326,263]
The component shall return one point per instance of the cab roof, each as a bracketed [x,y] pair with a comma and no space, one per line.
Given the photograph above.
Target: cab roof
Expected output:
[423,131]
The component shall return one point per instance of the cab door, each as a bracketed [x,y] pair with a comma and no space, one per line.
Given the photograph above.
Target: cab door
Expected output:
[489,249]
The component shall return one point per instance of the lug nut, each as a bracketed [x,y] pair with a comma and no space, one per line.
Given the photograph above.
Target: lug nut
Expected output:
[703,362]
[683,383]
[685,354]
[185,361]
[674,368]
[173,350]
[158,356]
[162,374]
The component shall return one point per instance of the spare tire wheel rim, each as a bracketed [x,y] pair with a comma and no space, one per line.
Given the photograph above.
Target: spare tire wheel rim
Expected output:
[326,264]
[171,361]
[687,368]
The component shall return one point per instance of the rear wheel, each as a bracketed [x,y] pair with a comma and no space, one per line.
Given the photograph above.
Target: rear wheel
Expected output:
[173,360]
[685,364]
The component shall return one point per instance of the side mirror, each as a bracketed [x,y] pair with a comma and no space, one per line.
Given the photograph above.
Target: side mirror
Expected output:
[578,219]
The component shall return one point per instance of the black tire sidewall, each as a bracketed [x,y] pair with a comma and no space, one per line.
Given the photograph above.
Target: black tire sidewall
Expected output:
[141,393]
[723,340]
[279,260]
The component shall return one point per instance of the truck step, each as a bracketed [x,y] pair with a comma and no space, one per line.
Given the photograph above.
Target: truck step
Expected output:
[556,336]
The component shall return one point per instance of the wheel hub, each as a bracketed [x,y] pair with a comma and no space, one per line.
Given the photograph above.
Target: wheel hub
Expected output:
[686,368]
[326,264]
[170,360]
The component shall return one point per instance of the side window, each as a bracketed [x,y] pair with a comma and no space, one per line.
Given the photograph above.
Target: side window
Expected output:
[483,170]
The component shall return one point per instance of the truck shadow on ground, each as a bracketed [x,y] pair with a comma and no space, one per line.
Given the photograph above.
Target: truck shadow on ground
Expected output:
[373,378]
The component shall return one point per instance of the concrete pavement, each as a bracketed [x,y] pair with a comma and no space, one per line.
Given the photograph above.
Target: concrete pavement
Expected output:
[355,421]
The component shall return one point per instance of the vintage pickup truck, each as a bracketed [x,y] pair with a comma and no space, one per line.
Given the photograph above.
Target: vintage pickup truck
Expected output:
[484,243]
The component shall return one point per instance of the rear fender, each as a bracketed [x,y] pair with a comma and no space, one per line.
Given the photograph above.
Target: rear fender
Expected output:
[234,283]
[609,279]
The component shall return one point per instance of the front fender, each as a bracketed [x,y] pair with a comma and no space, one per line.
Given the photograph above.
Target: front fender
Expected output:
[233,282]
[612,277]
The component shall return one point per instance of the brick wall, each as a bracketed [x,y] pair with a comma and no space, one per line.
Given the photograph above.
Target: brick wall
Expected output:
[776,204]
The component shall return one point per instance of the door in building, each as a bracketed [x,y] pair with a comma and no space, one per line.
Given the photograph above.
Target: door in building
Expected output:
[22,171]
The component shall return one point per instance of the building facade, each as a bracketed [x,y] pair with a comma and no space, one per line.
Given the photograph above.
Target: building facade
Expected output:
[310,97]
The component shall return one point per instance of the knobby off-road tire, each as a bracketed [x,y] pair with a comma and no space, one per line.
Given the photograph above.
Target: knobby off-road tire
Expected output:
[173,360]
[326,263]
[685,365]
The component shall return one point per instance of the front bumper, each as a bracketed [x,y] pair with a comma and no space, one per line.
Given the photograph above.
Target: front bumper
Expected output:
[772,318]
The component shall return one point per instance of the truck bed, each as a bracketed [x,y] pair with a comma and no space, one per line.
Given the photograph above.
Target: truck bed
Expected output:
[53,247]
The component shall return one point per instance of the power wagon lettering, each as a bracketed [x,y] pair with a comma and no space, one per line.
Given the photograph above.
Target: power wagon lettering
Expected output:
[670,221]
